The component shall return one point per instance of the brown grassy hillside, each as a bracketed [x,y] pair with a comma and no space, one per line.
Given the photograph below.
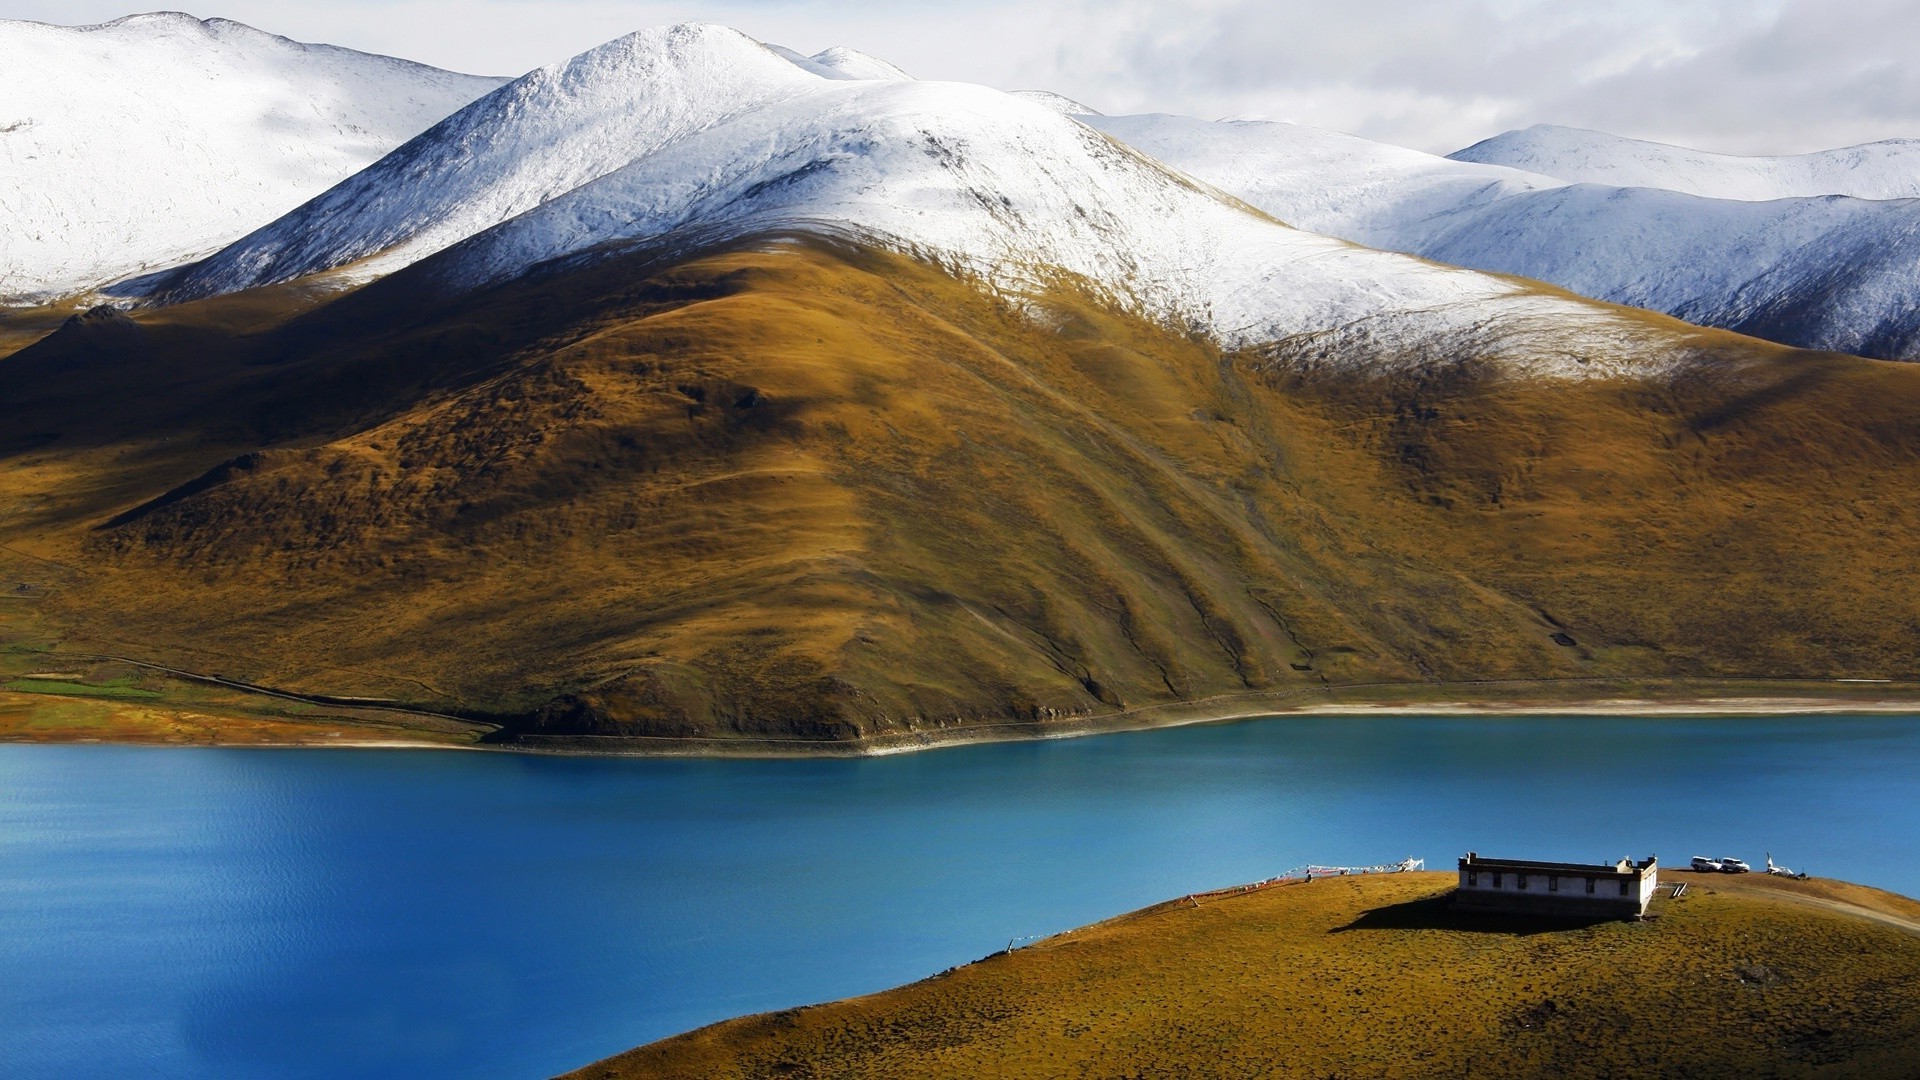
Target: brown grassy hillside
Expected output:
[1377,977]
[798,491]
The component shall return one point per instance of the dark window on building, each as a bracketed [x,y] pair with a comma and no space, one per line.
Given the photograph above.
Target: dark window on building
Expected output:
[1623,886]
[1520,881]
[1496,880]
[1473,879]
[1589,886]
[1553,882]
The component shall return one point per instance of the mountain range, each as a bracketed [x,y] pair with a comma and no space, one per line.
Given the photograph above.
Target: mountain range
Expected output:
[692,388]
[1815,251]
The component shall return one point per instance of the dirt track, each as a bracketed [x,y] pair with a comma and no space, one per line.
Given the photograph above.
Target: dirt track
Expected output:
[1887,909]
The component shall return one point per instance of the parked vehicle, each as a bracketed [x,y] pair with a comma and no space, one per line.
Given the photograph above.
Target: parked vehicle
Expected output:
[1735,866]
[1701,862]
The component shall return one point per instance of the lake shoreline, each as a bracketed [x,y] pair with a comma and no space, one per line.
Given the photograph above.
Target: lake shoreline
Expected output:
[1154,718]
[1396,701]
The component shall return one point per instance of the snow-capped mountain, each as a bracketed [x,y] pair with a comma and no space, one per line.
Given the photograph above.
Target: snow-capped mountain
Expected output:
[532,140]
[156,138]
[691,134]
[1880,170]
[1828,272]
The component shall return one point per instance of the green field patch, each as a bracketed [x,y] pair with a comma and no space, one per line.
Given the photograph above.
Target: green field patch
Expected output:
[75,689]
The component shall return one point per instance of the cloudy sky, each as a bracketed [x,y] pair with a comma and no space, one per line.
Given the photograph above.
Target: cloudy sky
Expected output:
[1738,76]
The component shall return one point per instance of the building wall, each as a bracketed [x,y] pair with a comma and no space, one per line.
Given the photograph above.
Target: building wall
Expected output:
[1549,905]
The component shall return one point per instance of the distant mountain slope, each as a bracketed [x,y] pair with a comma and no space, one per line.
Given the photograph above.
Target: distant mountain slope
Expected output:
[1369,192]
[1830,272]
[1880,170]
[156,138]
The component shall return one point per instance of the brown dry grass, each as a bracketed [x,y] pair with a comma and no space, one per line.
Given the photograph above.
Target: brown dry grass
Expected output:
[1372,977]
[47,695]
[798,491]
[44,718]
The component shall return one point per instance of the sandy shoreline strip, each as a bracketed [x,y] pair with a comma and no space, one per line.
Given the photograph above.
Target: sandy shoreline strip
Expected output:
[1182,714]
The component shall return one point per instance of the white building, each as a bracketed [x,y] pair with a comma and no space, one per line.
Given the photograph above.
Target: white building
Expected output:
[1619,890]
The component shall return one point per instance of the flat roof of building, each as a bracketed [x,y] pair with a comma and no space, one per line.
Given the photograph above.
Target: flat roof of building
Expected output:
[1481,862]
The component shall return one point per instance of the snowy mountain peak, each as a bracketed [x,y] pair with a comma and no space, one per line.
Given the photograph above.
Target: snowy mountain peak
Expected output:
[156,138]
[1881,170]
[534,139]
[1059,103]
[854,64]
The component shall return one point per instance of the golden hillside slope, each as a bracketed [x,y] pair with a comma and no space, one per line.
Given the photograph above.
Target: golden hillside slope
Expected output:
[794,491]
[1377,977]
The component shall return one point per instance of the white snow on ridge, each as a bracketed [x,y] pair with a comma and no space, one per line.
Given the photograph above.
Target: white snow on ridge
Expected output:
[1881,170]
[1023,196]
[684,135]
[156,138]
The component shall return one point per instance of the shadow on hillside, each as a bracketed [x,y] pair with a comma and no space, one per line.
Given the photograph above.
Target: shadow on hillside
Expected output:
[1438,913]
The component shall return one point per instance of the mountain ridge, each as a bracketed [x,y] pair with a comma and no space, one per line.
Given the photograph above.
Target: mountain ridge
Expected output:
[1887,169]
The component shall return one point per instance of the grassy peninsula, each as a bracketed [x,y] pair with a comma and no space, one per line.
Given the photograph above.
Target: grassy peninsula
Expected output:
[1377,977]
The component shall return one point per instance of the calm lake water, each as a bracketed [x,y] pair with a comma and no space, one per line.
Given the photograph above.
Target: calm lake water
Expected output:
[338,913]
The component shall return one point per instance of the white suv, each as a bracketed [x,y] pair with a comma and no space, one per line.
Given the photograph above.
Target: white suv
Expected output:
[1701,862]
[1735,866]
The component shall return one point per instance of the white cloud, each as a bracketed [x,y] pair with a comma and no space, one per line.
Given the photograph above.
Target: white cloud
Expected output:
[1766,76]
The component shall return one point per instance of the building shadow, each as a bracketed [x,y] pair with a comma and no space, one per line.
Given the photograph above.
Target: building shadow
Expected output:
[1438,913]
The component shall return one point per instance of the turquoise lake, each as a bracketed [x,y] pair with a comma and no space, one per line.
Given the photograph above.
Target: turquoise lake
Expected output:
[340,913]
